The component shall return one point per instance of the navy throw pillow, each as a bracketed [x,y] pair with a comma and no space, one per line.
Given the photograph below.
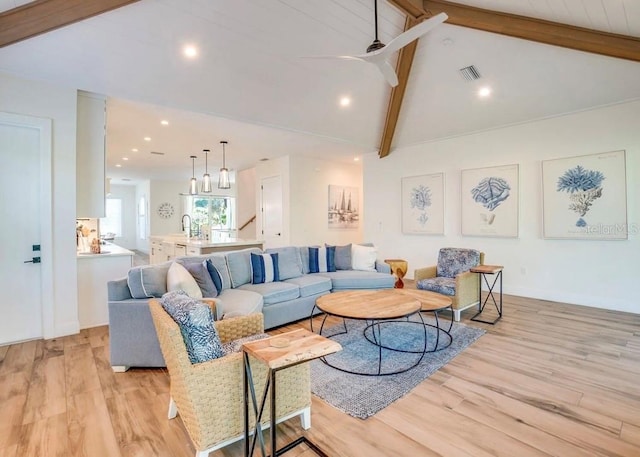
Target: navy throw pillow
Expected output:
[264,268]
[322,260]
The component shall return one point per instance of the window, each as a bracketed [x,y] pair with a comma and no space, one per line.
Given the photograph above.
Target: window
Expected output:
[217,212]
[111,225]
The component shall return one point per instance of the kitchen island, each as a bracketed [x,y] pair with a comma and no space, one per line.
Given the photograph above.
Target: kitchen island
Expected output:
[94,270]
[168,247]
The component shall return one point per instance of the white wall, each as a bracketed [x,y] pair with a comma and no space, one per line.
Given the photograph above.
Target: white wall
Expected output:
[246,202]
[593,273]
[40,99]
[129,215]
[310,180]
[169,192]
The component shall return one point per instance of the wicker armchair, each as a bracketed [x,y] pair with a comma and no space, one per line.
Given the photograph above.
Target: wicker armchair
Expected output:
[209,395]
[451,277]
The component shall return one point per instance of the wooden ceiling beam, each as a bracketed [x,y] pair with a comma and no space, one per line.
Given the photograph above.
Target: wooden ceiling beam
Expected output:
[403,69]
[42,16]
[553,33]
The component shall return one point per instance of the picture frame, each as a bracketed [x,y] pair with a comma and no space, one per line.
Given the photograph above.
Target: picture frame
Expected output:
[344,207]
[490,201]
[423,204]
[585,197]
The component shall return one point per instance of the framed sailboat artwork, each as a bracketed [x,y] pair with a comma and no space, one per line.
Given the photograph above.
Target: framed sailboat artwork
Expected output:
[344,207]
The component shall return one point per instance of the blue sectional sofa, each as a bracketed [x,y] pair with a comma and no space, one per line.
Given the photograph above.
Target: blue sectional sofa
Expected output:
[132,336]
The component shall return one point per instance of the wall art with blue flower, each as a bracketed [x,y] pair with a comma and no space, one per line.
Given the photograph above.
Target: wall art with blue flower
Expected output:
[490,201]
[585,197]
[423,204]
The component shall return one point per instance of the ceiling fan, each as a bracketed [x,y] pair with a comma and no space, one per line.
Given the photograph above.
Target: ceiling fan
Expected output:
[378,53]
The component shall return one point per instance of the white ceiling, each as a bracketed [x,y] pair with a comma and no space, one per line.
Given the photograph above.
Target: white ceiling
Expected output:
[251,86]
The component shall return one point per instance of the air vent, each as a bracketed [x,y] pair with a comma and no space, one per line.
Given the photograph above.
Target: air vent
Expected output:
[470,73]
[157,153]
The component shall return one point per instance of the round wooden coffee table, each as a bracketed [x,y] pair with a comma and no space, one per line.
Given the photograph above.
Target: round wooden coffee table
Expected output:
[375,307]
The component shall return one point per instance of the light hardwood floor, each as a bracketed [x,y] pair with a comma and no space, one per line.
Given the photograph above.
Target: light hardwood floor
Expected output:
[548,379]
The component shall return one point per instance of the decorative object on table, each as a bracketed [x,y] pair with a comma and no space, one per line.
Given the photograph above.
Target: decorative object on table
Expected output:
[223,178]
[343,210]
[483,271]
[398,268]
[95,246]
[585,197]
[364,396]
[165,210]
[489,201]
[423,204]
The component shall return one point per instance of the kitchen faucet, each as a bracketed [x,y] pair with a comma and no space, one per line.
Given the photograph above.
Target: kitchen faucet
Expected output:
[189,226]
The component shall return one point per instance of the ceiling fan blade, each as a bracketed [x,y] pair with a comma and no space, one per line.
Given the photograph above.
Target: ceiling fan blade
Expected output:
[335,57]
[413,33]
[388,72]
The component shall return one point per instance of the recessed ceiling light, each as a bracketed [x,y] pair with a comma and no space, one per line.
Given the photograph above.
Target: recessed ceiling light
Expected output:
[164,122]
[147,138]
[345,101]
[484,92]
[125,158]
[118,165]
[356,159]
[190,51]
[134,150]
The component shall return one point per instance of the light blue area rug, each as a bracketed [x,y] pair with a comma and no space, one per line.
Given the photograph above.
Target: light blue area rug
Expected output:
[363,396]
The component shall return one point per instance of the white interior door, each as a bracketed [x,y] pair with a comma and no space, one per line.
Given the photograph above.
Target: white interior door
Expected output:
[20,282]
[271,201]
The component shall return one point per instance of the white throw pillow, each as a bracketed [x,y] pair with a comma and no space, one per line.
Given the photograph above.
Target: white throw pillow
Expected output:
[363,257]
[179,278]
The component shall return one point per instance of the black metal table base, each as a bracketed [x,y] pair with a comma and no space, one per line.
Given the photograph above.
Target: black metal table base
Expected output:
[377,341]
[482,304]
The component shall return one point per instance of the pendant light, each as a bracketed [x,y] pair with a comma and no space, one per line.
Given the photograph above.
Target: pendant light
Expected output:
[193,185]
[223,179]
[206,178]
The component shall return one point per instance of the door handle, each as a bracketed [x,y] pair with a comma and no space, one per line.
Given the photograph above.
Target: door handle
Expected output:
[278,234]
[33,260]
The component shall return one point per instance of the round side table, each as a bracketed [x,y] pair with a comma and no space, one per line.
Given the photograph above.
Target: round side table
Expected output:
[398,268]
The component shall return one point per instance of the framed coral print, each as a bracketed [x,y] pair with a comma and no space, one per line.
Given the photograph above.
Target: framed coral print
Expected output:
[489,201]
[585,197]
[423,204]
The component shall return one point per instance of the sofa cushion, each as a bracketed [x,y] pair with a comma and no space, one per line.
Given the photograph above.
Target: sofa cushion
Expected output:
[148,280]
[239,263]
[200,273]
[311,284]
[236,302]
[274,292]
[343,257]
[304,259]
[218,261]
[195,320]
[289,262]
[264,268]
[453,261]
[178,278]
[442,285]
[355,279]
[363,257]
[322,259]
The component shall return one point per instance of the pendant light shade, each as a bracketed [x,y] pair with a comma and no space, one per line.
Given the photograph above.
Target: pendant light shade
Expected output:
[193,184]
[206,178]
[223,179]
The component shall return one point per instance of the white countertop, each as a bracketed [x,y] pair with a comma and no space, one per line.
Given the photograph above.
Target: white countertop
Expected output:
[181,239]
[107,250]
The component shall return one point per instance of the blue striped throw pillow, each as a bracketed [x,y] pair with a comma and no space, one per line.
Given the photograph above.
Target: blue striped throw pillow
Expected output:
[322,260]
[264,268]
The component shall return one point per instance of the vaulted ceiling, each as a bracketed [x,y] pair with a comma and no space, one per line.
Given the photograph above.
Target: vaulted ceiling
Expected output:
[251,85]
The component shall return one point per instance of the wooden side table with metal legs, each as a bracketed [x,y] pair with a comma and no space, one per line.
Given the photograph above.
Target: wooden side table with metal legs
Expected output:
[484,271]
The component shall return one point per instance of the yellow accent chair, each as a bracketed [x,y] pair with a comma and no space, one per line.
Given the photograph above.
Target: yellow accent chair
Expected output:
[209,395]
[451,277]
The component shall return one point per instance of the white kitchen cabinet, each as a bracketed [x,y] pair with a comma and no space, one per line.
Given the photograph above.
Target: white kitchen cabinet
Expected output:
[90,155]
